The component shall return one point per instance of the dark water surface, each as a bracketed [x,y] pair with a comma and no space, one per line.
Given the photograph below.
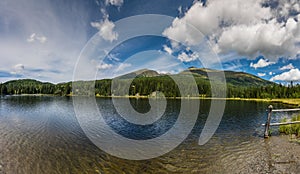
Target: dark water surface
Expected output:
[42,135]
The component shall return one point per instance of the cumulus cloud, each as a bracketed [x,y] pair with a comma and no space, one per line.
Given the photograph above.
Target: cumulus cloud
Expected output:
[103,66]
[168,72]
[18,69]
[113,57]
[269,39]
[261,74]
[287,67]
[117,3]
[31,38]
[292,75]
[207,18]
[180,10]
[286,8]
[249,28]
[42,39]
[167,49]
[270,73]
[34,37]
[261,63]
[123,66]
[184,57]
[106,29]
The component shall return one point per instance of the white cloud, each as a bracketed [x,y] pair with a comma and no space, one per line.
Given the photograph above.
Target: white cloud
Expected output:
[183,57]
[106,29]
[168,49]
[180,10]
[270,73]
[31,38]
[167,72]
[182,32]
[261,63]
[286,7]
[207,18]
[246,27]
[261,74]
[34,37]
[287,67]
[113,57]
[42,39]
[269,39]
[175,45]
[114,2]
[292,75]
[104,66]
[123,67]
[18,69]
[296,7]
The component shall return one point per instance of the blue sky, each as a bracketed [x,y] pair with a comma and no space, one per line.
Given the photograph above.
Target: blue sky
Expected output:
[43,39]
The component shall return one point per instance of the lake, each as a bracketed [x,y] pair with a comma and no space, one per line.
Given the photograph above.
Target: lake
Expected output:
[40,134]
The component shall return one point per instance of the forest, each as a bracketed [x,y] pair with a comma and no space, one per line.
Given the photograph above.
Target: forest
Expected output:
[145,86]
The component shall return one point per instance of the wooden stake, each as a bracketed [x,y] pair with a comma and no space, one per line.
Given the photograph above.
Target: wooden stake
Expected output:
[267,125]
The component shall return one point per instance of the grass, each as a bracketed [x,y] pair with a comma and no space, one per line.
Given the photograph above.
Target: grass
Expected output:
[290,129]
[295,102]
[288,101]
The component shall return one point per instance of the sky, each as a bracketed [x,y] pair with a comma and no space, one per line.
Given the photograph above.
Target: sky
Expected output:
[44,39]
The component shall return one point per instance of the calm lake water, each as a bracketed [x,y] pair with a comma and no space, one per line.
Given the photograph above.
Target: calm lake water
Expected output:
[42,135]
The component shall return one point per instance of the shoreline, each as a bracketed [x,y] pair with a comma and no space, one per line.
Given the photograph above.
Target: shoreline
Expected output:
[289,101]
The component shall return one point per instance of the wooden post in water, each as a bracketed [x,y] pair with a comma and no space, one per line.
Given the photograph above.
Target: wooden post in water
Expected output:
[267,125]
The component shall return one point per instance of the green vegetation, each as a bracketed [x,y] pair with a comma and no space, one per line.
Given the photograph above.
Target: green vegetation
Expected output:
[147,82]
[29,86]
[290,101]
[292,128]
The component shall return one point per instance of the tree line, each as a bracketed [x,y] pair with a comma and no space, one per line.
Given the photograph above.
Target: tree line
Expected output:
[146,86]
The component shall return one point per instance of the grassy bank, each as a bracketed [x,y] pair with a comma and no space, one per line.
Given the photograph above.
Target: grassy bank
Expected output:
[295,102]
[291,128]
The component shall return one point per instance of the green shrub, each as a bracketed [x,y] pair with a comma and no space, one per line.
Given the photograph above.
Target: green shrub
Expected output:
[291,128]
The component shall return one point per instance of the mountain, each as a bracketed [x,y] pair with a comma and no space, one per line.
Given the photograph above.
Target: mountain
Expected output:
[232,77]
[139,73]
[145,82]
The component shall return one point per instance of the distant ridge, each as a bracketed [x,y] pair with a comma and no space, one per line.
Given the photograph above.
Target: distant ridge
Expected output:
[232,77]
[139,73]
[145,82]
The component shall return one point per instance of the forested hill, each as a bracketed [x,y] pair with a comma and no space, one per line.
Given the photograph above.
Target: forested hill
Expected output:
[233,78]
[30,86]
[146,82]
